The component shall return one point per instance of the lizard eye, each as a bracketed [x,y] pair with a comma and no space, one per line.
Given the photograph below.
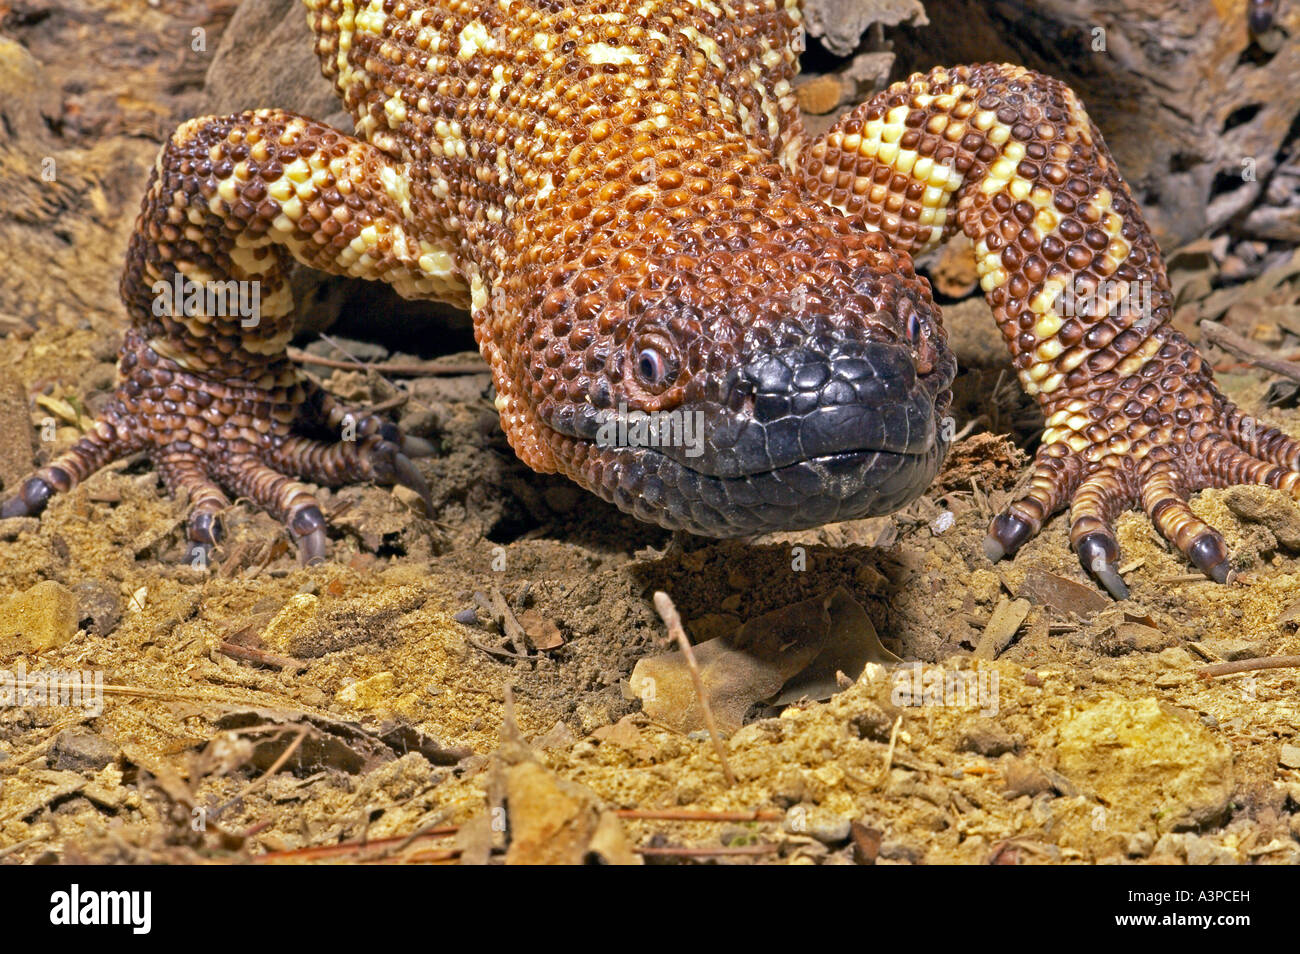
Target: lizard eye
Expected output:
[914,328]
[656,362]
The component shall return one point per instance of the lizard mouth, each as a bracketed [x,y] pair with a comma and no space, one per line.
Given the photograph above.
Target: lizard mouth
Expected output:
[792,440]
[656,488]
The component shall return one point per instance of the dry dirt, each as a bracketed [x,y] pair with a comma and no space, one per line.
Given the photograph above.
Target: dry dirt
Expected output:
[373,708]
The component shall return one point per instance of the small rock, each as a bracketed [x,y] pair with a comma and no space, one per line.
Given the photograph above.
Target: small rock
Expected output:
[826,826]
[1261,505]
[985,585]
[790,788]
[591,716]
[1289,757]
[560,736]
[1175,657]
[873,723]
[372,693]
[1234,649]
[98,606]
[1206,851]
[1023,778]
[1171,845]
[1134,637]
[467,617]
[410,499]
[984,737]
[1140,844]
[43,617]
[79,750]
[866,843]
[829,829]
[556,821]
[896,849]
[1156,767]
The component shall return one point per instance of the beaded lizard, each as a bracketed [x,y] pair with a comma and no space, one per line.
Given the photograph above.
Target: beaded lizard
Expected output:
[623,194]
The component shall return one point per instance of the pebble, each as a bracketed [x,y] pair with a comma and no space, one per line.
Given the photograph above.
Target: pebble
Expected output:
[1152,764]
[1023,778]
[1140,844]
[1172,845]
[78,750]
[1289,757]
[1206,851]
[40,618]
[98,603]
[368,693]
[943,522]
[1175,657]
[827,827]
[1234,649]
[986,738]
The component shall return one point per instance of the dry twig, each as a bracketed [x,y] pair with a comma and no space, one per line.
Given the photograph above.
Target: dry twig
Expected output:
[1230,341]
[668,613]
[1249,665]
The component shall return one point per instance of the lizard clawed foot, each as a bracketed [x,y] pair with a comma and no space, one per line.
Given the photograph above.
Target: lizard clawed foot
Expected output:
[1157,475]
[207,438]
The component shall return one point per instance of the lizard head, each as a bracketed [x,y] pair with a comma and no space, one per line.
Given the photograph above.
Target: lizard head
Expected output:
[743,384]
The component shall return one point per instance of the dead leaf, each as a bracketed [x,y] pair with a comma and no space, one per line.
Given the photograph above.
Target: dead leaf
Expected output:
[1047,589]
[556,821]
[541,631]
[1002,626]
[788,654]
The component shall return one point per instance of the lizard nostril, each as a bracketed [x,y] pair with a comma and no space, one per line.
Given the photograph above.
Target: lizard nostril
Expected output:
[923,356]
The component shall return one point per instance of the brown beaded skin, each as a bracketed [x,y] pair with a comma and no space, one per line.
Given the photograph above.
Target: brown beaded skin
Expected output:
[623,195]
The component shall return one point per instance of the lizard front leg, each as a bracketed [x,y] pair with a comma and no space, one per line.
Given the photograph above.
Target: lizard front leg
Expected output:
[1079,290]
[204,386]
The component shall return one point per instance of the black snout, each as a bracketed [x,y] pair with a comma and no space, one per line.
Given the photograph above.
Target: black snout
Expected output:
[805,403]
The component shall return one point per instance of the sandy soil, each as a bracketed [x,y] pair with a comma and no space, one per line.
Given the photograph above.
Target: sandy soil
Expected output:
[375,707]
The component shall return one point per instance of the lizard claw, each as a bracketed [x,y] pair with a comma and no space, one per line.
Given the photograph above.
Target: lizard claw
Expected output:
[30,500]
[1210,555]
[1008,534]
[308,529]
[411,446]
[1099,554]
[416,446]
[412,479]
[392,466]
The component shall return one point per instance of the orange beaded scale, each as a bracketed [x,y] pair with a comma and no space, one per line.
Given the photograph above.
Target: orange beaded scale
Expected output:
[623,194]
